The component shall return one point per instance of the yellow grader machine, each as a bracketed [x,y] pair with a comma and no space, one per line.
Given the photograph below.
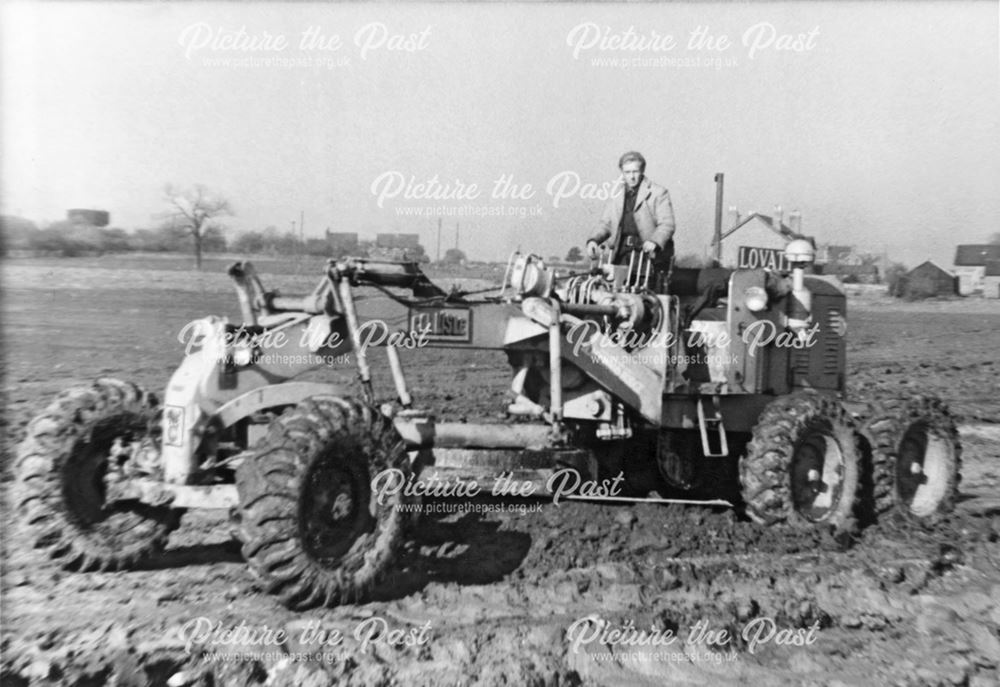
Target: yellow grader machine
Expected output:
[725,386]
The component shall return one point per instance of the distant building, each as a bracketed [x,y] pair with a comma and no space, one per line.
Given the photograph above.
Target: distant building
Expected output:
[760,242]
[849,264]
[835,254]
[991,279]
[404,241]
[929,279]
[865,273]
[94,218]
[970,264]
[342,242]
[397,247]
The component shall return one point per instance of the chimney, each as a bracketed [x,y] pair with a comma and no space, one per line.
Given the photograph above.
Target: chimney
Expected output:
[795,221]
[735,214]
[776,220]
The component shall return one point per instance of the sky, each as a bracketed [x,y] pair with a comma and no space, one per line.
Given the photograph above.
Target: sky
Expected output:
[879,122]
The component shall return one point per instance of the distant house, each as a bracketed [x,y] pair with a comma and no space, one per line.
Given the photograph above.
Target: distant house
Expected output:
[849,264]
[836,254]
[404,241]
[342,242]
[397,247]
[929,279]
[761,238]
[991,279]
[970,264]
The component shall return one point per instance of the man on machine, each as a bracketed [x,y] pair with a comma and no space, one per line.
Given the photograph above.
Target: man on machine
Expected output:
[641,219]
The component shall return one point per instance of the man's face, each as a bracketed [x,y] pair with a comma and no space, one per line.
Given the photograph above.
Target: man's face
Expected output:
[632,174]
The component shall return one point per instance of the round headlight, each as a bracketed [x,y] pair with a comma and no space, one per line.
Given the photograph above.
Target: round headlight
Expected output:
[755,298]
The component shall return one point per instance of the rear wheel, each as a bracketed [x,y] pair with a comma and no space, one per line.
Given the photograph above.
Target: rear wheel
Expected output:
[61,469]
[313,529]
[915,443]
[801,465]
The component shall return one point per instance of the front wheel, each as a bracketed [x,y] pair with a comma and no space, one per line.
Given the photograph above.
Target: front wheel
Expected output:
[61,469]
[801,466]
[314,530]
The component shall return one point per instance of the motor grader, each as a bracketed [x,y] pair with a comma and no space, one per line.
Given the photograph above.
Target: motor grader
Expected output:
[723,387]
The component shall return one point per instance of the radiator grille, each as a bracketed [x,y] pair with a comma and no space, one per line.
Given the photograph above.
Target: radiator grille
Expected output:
[820,364]
[832,331]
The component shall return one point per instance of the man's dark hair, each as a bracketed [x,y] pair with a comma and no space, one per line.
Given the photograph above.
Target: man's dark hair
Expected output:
[632,156]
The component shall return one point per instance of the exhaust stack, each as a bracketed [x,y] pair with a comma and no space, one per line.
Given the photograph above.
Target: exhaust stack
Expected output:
[717,243]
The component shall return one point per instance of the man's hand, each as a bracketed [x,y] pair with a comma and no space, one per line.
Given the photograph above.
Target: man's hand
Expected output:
[650,247]
[592,250]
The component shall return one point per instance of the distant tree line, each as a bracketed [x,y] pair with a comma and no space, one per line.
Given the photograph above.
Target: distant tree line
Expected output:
[69,239]
[189,224]
[271,241]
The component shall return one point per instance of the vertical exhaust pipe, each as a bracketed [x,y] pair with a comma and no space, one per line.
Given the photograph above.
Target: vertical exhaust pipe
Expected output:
[719,178]
[555,363]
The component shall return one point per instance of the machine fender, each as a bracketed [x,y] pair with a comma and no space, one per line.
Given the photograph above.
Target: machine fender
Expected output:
[288,393]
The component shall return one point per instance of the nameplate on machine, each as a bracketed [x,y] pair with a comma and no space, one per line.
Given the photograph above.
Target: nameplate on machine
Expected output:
[441,324]
[750,258]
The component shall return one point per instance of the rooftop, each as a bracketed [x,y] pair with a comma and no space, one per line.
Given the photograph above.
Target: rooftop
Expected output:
[976,254]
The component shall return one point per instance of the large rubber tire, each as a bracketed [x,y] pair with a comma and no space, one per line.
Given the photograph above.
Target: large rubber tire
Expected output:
[917,457]
[60,472]
[312,528]
[801,466]
[878,436]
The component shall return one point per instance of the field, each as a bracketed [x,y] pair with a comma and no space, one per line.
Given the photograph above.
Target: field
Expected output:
[496,595]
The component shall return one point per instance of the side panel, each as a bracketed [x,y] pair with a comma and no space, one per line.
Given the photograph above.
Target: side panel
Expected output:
[183,418]
[756,366]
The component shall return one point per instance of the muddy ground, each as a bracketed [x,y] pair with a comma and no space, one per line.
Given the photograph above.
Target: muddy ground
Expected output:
[498,596]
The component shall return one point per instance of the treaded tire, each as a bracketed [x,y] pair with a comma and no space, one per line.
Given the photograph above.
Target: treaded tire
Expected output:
[312,529]
[878,430]
[796,434]
[920,430]
[60,491]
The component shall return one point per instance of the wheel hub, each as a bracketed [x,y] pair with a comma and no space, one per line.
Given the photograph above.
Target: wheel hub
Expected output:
[817,473]
[332,515]
[922,468]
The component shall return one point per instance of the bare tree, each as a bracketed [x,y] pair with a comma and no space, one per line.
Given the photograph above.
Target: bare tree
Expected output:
[193,210]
